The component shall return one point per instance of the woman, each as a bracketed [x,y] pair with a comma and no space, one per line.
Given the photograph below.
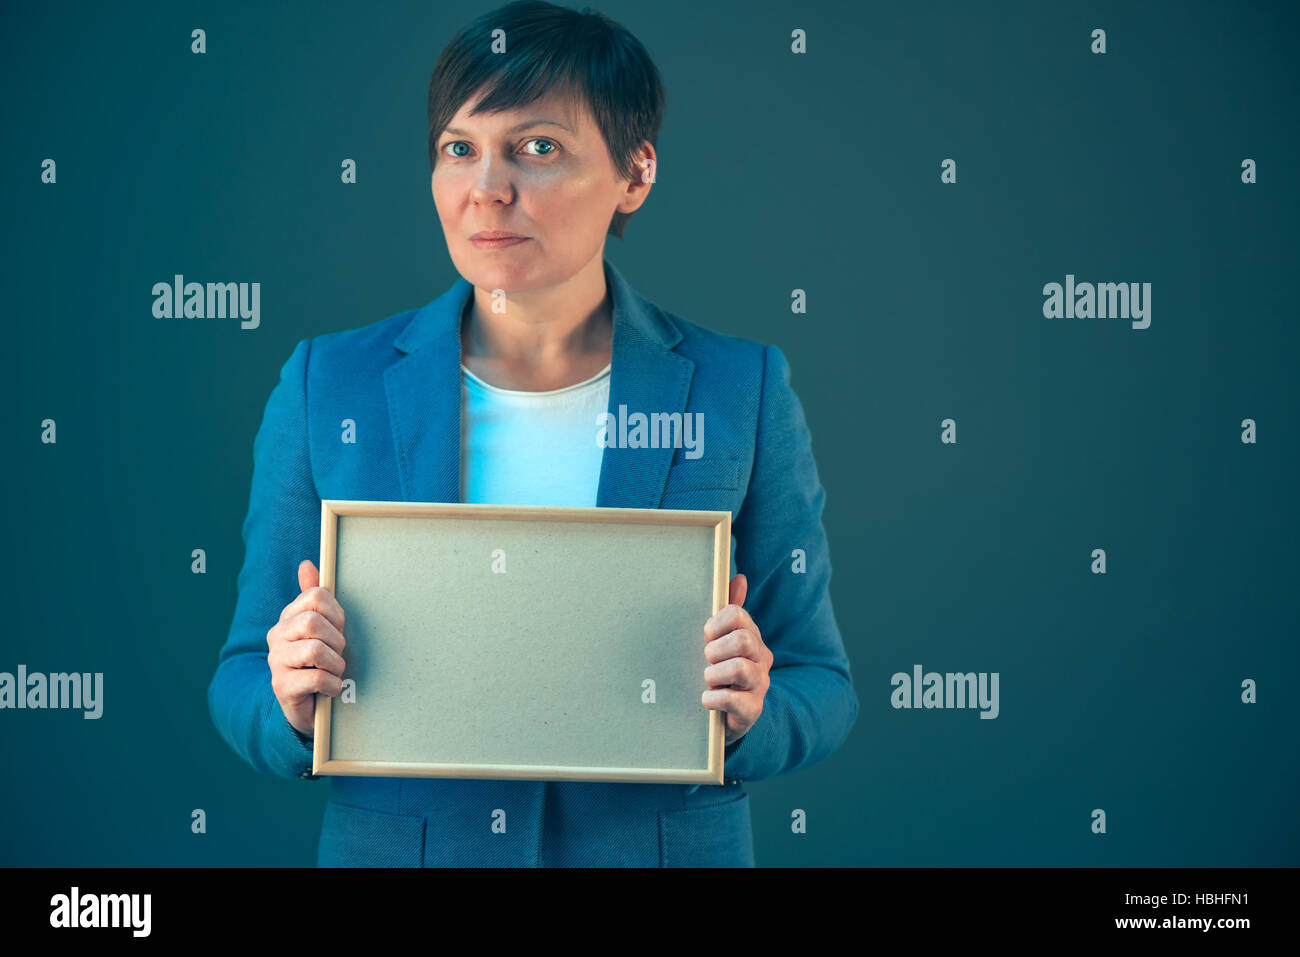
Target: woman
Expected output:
[542,123]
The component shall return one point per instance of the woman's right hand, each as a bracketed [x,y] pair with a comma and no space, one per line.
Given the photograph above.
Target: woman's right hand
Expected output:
[306,655]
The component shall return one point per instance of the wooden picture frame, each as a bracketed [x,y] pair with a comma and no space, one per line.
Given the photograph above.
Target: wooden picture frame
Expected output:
[589,620]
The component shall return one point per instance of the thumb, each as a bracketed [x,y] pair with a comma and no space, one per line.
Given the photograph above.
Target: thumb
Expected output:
[308,575]
[739,585]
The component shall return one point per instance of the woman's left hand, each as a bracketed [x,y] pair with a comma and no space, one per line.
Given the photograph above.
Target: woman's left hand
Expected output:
[738,676]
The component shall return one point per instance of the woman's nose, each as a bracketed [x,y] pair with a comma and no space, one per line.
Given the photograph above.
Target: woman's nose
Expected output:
[492,182]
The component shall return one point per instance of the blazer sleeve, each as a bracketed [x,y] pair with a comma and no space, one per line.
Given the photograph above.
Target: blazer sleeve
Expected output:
[281,529]
[810,704]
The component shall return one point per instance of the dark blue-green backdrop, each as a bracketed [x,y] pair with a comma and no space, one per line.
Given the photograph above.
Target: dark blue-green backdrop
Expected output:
[777,171]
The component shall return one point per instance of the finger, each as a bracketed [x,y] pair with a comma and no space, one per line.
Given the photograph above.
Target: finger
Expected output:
[312,624]
[741,643]
[300,682]
[728,618]
[738,703]
[319,600]
[739,585]
[741,674]
[308,575]
[313,653]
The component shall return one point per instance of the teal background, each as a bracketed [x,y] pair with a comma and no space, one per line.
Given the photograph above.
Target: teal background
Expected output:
[821,172]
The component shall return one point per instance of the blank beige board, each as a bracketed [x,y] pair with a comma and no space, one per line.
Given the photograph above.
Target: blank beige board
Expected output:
[522,647]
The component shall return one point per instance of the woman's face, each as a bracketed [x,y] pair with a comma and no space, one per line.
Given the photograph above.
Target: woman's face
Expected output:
[542,172]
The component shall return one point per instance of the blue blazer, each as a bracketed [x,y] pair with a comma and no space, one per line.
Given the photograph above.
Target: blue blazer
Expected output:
[400,381]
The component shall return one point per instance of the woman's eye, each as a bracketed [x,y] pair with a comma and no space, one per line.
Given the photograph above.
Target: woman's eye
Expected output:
[548,143]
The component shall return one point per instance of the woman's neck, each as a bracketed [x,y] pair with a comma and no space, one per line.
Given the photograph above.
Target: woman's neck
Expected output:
[532,355]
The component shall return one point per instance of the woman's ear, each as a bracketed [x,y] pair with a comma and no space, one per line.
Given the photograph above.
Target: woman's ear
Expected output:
[638,188]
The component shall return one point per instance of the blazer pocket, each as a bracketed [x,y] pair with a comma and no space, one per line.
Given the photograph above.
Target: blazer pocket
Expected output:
[716,835]
[691,475]
[360,837]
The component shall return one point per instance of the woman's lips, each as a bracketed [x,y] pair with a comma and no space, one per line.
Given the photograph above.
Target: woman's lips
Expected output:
[498,243]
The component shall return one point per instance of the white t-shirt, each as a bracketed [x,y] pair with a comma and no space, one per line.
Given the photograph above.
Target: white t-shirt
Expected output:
[531,448]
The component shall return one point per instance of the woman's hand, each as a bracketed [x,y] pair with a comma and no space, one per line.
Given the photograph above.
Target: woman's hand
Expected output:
[738,677]
[306,653]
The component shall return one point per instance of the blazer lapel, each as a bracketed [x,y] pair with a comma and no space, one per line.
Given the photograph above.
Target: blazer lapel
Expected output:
[423,389]
[424,397]
[646,376]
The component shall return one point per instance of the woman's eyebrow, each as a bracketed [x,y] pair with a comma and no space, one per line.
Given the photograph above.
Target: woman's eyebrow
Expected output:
[514,129]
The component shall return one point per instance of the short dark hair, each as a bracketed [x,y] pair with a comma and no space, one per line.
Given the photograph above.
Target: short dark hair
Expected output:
[550,48]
